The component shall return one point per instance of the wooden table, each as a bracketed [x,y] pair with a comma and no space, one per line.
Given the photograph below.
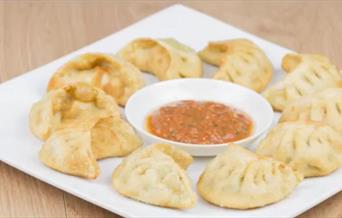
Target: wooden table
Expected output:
[35,33]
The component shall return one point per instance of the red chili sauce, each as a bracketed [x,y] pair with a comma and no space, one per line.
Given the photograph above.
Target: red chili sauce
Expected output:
[199,122]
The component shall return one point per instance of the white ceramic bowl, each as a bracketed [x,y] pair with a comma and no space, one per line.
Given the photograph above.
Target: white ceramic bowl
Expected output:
[152,97]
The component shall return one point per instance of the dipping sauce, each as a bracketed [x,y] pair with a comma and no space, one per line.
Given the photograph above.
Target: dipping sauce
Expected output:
[199,122]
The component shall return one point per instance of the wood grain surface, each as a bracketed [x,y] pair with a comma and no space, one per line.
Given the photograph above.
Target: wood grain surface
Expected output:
[33,33]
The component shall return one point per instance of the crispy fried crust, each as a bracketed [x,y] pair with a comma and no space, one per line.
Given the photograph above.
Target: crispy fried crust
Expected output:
[69,151]
[113,137]
[240,179]
[240,61]
[113,75]
[311,148]
[74,150]
[164,58]
[76,105]
[325,107]
[156,175]
[307,74]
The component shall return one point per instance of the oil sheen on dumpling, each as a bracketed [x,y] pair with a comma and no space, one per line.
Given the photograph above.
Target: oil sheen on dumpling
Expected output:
[325,107]
[156,175]
[115,76]
[69,151]
[238,178]
[307,74]
[311,148]
[76,105]
[164,58]
[240,61]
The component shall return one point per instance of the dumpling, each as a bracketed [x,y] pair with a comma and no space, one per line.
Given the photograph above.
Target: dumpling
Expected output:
[75,105]
[165,58]
[240,61]
[311,148]
[156,175]
[215,52]
[325,107]
[307,74]
[113,137]
[75,150]
[115,76]
[238,178]
[69,151]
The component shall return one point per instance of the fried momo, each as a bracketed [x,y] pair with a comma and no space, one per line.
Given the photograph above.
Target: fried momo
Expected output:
[240,179]
[113,137]
[164,58]
[311,148]
[240,61]
[75,150]
[325,107]
[115,76]
[156,175]
[76,105]
[69,151]
[307,74]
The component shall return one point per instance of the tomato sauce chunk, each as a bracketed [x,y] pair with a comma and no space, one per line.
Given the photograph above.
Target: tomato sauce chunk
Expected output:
[199,122]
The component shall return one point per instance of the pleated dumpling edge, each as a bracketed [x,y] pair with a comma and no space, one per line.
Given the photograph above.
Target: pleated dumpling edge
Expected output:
[240,179]
[152,175]
[165,58]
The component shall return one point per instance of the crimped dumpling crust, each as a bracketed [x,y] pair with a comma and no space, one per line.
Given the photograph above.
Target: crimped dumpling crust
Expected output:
[115,76]
[165,58]
[153,176]
[238,178]
[75,150]
[240,61]
[69,151]
[76,105]
[311,148]
[113,137]
[307,74]
[325,107]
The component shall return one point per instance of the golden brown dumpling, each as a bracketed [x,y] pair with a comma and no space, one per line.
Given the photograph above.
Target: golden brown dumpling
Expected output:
[165,58]
[238,178]
[240,61]
[115,76]
[75,150]
[156,175]
[311,148]
[307,74]
[69,151]
[325,107]
[76,105]
[113,137]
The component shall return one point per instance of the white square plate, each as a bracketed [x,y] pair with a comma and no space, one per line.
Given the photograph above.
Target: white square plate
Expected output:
[20,149]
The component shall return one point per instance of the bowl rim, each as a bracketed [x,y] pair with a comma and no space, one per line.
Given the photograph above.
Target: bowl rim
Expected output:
[162,83]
